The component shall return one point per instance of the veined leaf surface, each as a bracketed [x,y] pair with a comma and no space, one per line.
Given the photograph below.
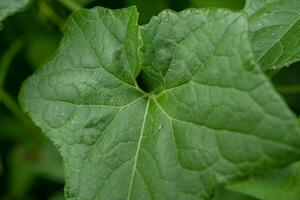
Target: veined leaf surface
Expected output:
[212,115]
[275,29]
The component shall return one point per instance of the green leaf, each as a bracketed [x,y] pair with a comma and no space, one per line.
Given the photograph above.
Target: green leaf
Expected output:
[212,115]
[9,7]
[281,184]
[275,30]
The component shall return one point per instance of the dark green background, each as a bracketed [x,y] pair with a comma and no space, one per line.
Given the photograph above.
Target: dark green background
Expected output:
[30,166]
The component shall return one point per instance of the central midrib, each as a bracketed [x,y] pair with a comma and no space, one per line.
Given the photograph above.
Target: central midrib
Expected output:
[138,149]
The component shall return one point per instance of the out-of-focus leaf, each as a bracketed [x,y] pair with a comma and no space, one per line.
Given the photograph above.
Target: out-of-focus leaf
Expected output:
[40,47]
[27,163]
[9,7]
[83,2]
[231,4]
[275,29]
[12,129]
[281,184]
[73,5]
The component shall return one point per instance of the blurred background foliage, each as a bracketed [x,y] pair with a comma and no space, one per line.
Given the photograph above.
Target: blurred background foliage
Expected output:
[30,166]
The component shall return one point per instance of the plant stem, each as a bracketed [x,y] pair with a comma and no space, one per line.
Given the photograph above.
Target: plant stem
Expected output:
[46,10]
[13,106]
[71,5]
[289,89]
[7,59]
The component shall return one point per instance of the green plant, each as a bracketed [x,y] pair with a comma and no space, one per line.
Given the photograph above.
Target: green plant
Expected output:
[176,109]
[274,32]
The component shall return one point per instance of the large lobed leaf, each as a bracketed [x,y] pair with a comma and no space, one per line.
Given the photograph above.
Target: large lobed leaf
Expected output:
[212,115]
[9,7]
[275,30]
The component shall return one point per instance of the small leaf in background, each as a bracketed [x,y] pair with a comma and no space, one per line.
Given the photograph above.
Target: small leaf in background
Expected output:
[29,163]
[280,184]
[28,157]
[9,7]
[274,30]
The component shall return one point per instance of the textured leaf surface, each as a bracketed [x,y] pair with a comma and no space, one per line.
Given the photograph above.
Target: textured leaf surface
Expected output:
[281,184]
[213,116]
[275,30]
[9,7]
